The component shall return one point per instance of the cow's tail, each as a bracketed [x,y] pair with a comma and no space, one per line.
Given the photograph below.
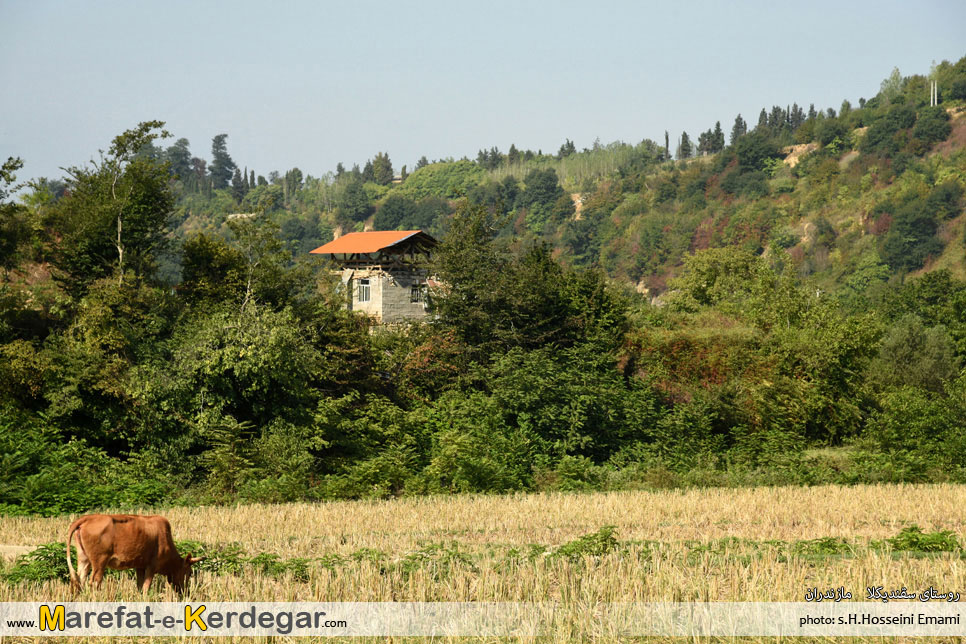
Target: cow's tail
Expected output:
[74,527]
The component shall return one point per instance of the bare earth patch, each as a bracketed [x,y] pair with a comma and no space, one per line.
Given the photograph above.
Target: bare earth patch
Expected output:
[794,153]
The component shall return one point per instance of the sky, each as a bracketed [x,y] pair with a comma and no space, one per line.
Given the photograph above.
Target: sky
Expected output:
[309,84]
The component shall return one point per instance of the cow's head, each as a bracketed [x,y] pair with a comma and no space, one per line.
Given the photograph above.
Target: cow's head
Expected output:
[179,578]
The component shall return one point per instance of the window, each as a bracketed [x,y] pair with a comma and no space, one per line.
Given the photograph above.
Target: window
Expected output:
[416,293]
[364,291]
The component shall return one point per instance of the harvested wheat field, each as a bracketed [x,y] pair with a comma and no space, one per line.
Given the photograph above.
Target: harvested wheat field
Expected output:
[763,544]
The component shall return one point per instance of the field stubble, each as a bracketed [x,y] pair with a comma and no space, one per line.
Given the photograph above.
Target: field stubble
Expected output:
[693,545]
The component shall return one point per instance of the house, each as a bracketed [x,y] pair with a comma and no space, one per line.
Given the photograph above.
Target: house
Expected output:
[384,272]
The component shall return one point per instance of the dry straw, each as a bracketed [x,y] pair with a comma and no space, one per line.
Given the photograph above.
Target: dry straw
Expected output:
[694,545]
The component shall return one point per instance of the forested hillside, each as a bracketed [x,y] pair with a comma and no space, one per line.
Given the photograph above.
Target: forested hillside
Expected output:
[788,305]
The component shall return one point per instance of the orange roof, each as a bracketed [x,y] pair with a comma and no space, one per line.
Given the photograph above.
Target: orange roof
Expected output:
[370,242]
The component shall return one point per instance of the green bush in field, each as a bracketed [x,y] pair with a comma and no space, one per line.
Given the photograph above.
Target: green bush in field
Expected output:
[822,546]
[45,563]
[48,562]
[913,539]
[595,544]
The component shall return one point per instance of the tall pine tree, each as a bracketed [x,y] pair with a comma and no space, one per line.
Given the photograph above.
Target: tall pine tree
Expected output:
[685,148]
[717,138]
[382,169]
[222,166]
[739,129]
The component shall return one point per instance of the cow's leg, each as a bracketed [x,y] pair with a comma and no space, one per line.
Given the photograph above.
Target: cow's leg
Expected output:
[83,568]
[140,577]
[145,583]
[97,576]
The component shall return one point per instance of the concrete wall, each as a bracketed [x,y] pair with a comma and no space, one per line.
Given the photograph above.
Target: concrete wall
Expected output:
[390,295]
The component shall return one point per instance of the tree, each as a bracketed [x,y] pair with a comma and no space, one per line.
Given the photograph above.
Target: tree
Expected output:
[541,187]
[796,117]
[268,277]
[704,142]
[291,184]
[684,150]
[466,260]
[211,270]
[353,204]
[932,125]
[754,149]
[14,227]
[720,276]
[494,301]
[566,149]
[428,214]
[238,190]
[777,119]
[828,130]
[116,327]
[221,163]
[382,169]
[114,217]
[914,355]
[911,238]
[199,179]
[891,87]
[880,137]
[711,141]
[762,120]
[543,198]
[178,157]
[393,212]
[739,129]
[717,138]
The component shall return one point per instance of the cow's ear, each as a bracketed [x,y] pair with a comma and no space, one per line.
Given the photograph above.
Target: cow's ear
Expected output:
[194,560]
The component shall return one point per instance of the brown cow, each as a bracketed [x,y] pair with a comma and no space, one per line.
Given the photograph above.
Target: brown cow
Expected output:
[123,541]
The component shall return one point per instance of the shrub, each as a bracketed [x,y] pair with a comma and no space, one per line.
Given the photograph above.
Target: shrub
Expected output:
[911,238]
[822,546]
[754,149]
[881,135]
[41,474]
[913,539]
[932,126]
[595,544]
[45,563]
[474,450]
[920,431]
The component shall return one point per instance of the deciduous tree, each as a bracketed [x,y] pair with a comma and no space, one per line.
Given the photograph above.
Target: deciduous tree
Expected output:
[114,217]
